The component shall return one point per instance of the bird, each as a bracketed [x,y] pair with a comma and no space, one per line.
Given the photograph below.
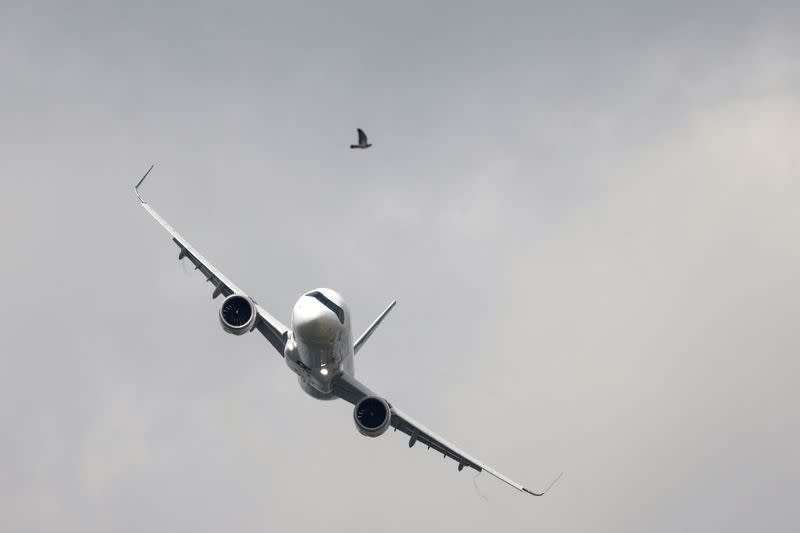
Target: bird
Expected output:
[362,140]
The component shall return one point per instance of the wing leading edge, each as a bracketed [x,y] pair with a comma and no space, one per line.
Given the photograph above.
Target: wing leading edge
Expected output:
[351,390]
[272,329]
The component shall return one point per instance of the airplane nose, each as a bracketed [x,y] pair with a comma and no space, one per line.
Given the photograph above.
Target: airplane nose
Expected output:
[314,323]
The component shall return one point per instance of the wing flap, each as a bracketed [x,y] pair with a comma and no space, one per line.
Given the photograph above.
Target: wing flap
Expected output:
[219,286]
[418,433]
[272,329]
[351,390]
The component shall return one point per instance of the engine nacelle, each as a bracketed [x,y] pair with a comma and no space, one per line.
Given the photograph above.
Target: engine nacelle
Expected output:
[372,416]
[237,314]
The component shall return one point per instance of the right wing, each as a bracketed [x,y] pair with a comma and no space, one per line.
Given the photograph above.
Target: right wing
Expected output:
[350,389]
[274,331]
[362,137]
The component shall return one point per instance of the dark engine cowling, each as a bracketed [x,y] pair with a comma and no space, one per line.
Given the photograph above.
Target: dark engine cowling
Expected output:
[372,416]
[237,314]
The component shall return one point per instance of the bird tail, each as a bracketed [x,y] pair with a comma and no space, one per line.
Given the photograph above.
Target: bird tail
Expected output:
[354,146]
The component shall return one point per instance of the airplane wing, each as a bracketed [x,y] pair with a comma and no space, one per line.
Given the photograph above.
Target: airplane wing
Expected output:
[350,389]
[274,331]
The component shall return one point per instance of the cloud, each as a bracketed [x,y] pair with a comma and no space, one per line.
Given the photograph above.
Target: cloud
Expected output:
[587,216]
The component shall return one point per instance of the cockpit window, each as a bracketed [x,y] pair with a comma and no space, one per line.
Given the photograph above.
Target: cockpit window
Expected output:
[321,298]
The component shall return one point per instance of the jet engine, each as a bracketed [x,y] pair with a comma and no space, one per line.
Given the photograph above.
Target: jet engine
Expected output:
[237,314]
[372,416]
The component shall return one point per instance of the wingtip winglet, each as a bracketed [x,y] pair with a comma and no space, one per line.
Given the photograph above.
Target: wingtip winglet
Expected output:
[136,187]
[545,491]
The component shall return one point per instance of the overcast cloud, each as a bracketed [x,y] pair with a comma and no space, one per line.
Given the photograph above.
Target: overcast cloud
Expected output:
[588,216]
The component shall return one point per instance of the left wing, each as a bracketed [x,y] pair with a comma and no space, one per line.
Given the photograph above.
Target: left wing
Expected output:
[350,389]
[274,331]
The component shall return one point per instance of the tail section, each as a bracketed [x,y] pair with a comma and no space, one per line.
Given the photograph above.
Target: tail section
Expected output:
[366,335]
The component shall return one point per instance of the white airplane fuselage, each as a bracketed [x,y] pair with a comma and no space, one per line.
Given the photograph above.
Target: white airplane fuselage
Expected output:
[320,344]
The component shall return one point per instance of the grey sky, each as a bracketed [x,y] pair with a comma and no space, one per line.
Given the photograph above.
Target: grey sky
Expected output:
[588,217]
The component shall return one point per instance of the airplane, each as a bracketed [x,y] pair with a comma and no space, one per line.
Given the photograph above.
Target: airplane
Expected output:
[318,347]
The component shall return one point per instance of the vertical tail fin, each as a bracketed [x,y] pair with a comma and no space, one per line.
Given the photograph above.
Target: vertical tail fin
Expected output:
[364,336]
